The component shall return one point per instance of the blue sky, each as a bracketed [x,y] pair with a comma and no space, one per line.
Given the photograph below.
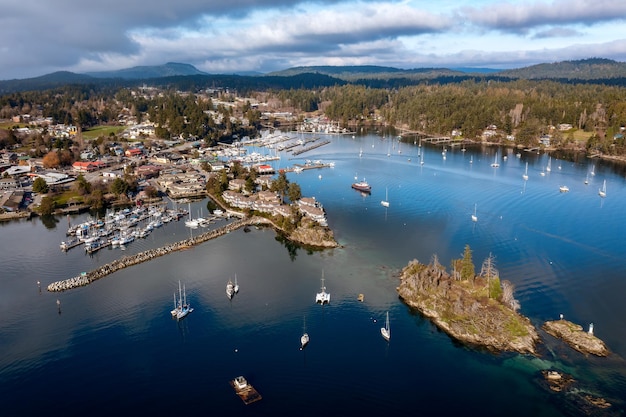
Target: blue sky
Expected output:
[225,36]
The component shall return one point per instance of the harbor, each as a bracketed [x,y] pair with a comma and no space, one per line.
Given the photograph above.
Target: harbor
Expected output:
[124,319]
[86,278]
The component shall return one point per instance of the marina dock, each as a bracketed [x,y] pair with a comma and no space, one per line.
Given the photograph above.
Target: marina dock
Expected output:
[244,390]
[87,278]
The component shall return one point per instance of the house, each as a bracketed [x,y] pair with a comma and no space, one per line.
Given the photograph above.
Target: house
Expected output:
[237,184]
[88,166]
[545,140]
[133,152]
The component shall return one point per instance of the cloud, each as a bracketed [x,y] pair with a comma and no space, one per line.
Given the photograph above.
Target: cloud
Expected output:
[264,35]
[557,33]
[522,16]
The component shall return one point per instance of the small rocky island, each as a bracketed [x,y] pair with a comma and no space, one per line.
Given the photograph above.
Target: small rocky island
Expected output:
[574,335]
[474,309]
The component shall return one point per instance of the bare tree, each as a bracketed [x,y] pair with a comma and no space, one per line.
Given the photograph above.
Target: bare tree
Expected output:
[489,271]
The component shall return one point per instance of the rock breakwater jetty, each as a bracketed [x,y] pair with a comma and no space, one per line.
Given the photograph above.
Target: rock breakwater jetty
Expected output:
[87,278]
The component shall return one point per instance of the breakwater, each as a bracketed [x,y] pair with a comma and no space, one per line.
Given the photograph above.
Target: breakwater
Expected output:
[87,278]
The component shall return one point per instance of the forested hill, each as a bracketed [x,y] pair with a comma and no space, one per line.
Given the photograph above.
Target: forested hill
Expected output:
[369,72]
[186,77]
[584,70]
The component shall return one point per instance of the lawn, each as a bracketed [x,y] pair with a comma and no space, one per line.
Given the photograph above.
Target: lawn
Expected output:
[98,131]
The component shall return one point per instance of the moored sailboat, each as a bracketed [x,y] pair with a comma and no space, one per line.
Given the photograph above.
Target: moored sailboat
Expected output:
[181,307]
[322,297]
[386,331]
[602,191]
[304,339]
[385,202]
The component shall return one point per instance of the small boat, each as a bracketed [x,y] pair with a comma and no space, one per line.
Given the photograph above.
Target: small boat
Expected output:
[385,331]
[361,297]
[236,286]
[549,167]
[563,188]
[495,163]
[304,339]
[230,289]
[245,390]
[587,179]
[602,191]
[362,186]
[322,297]
[525,176]
[474,217]
[181,307]
[385,202]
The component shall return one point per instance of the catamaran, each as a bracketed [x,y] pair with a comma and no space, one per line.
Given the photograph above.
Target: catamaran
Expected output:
[322,297]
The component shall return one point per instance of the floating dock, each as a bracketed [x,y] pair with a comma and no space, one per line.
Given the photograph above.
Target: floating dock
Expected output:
[245,391]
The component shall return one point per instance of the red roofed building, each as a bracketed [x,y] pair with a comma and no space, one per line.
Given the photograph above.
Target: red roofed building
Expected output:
[133,152]
[264,169]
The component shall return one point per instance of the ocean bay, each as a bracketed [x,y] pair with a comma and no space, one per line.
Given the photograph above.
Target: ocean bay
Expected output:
[114,346]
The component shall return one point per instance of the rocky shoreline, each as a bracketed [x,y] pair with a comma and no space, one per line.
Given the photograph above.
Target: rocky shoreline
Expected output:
[574,335]
[462,310]
[87,278]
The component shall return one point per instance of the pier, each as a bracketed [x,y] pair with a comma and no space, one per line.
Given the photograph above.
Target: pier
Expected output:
[310,147]
[87,278]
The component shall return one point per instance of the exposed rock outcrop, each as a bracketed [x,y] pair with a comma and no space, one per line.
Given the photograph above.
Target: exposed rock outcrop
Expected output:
[463,310]
[574,335]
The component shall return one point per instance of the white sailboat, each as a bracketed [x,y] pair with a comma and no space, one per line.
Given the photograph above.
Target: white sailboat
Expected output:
[385,202]
[236,286]
[587,179]
[525,176]
[386,331]
[549,167]
[181,307]
[602,191]
[474,217]
[304,339]
[230,289]
[322,297]
[495,161]
[191,222]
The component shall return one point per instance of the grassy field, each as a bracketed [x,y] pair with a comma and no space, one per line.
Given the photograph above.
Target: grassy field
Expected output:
[102,131]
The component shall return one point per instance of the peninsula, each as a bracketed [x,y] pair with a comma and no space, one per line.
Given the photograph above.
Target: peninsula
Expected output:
[474,309]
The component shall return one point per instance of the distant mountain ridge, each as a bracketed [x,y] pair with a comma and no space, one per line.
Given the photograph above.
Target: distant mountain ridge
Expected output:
[145,72]
[354,72]
[587,70]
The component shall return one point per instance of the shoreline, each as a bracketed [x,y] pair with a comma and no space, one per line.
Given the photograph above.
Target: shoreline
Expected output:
[87,278]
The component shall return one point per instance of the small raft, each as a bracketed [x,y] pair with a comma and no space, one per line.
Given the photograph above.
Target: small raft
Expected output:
[245,391]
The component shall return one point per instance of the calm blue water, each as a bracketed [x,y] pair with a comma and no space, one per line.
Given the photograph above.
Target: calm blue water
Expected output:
[114,348]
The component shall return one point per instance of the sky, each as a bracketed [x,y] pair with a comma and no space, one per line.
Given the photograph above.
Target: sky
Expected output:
[234,36]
